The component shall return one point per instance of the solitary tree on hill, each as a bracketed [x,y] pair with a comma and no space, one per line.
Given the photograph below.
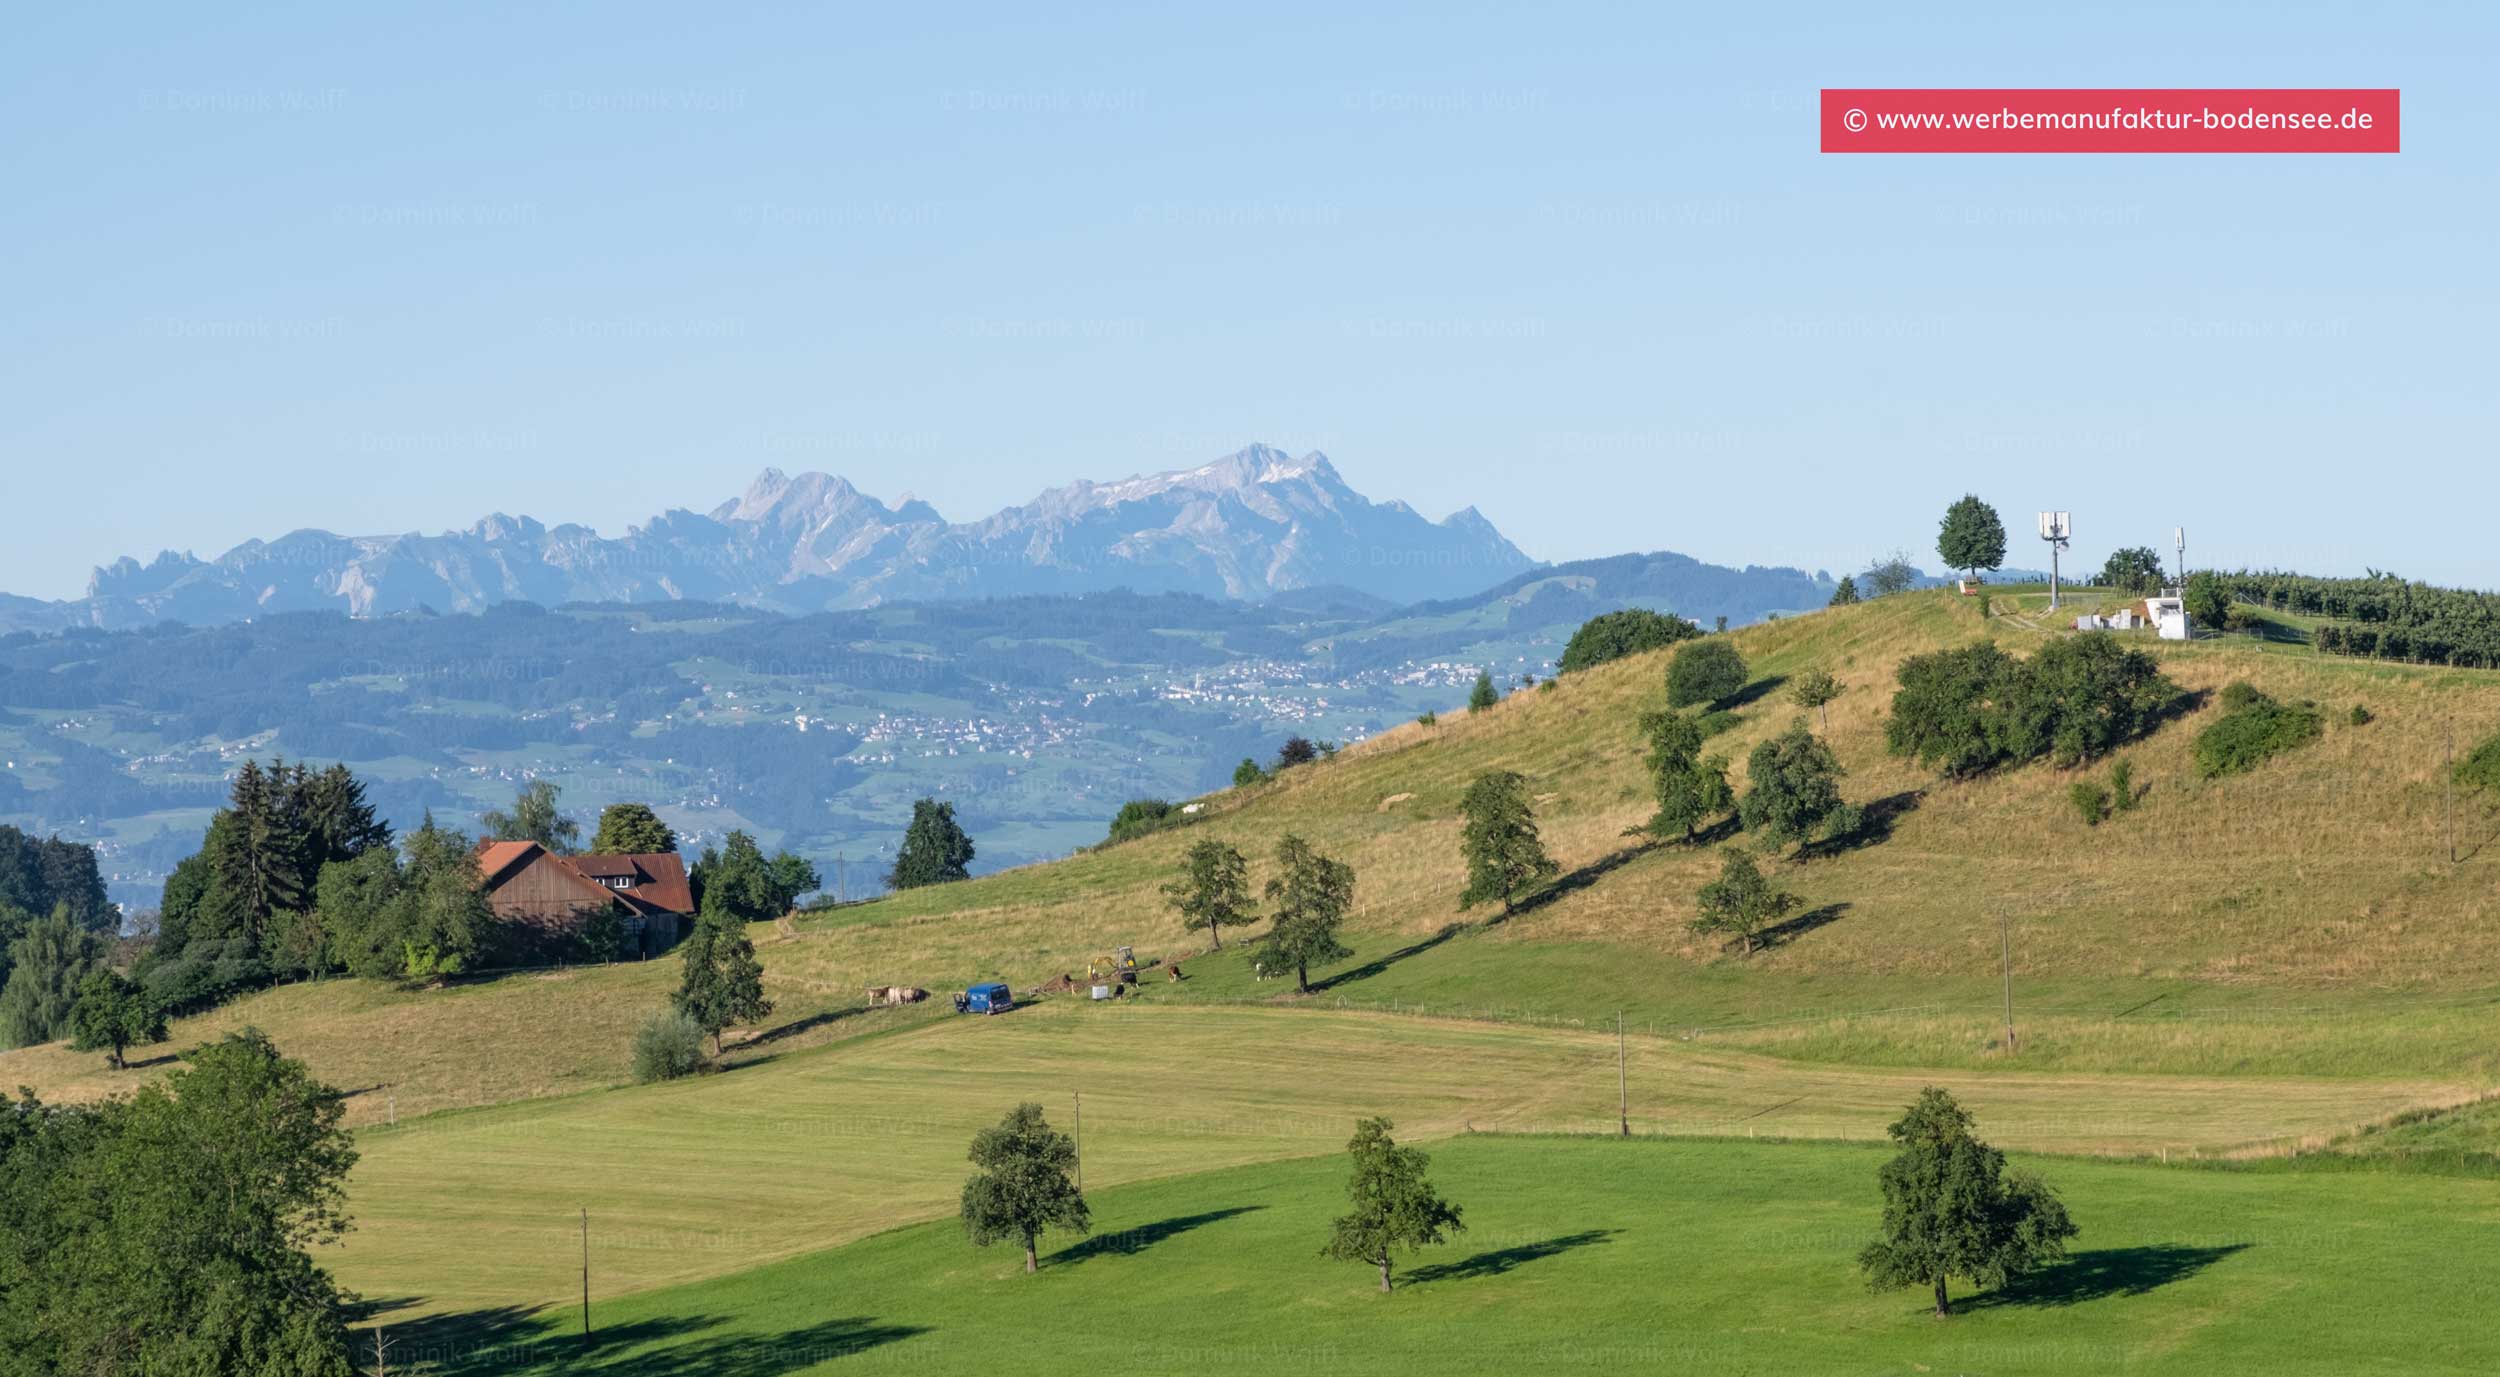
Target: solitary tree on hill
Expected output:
[723,983]
[1793,790]
[1815,689]
[1022,1187]
[112,1015]
[533,817]
[1394,1205]
[1707,671]
[1741,900]
[1248,773]
[630,829]
[1691,788]
[935,850]
[1311,896]
[1847,592]
[1971,538]
[1483,695]
[1505,856]
[1213,891]
[1297,750]
[1952,1210]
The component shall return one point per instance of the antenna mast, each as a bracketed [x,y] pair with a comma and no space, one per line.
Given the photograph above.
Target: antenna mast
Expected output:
[2055,528]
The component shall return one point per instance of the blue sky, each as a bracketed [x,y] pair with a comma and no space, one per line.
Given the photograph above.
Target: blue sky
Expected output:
[380,268]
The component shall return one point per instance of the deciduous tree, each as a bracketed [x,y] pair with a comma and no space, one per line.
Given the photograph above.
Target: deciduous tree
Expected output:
[1395,1205]
[1741,901]
[47,964]
[1971,537]
[630,829]
[1023,1186]
[533,816]
[1691,788]
[1213,891]
[1707,671]
[1792,790]
[723,984]
[1614,635]
[112,1015]
[1309,896]
[1952,1210]
[1505,856]
[1814,691]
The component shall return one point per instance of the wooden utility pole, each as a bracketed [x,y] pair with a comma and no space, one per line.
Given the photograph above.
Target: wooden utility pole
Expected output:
[1623,1091]
[2005,932]
[585,1276]
[2450,775]
[1078,1139]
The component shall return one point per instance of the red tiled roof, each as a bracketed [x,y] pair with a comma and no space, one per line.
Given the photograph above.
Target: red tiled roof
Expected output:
[657,879]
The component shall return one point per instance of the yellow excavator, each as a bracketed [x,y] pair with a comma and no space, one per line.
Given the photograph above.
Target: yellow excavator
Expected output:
[1120,964]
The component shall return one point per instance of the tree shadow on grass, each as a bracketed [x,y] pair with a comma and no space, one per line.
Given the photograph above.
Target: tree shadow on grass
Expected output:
[1780,933]
[1381,963]
[1130,1242]
[1572,882]
[2105,1272]
[1501,1260]
[517,1339]
[1874,828]
[1751,693]
[808,1024]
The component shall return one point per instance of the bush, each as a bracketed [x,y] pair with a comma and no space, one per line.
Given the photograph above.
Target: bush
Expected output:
[1297,750]
[2253,732]
[1428,718]
[2238,694]
[2362,716]
[1614,635]
[1707,671]
[1248,773]
[667,1046]
[2091,801]
[1546,687]
[1139,816]
[2480,770]
[2122,784]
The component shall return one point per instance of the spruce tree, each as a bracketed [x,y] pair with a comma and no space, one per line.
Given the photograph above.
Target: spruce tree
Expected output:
[1394,1205]
[1483,695]
[935,850]
[1505,856]
[1213,891]
[1847,592]
[723,983]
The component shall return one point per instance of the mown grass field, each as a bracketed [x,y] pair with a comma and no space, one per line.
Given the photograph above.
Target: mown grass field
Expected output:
[1669,1256]
[806,1149]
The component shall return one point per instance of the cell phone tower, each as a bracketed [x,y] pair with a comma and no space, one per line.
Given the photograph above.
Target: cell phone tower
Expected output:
[2179,535]
[2056,528]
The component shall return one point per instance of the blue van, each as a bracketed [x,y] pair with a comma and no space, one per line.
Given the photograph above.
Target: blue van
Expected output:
[989,998]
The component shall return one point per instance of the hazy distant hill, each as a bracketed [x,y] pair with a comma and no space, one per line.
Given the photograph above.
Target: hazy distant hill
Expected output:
[1245,526]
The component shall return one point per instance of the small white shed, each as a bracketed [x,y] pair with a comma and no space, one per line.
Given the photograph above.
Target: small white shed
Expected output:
[2170,618]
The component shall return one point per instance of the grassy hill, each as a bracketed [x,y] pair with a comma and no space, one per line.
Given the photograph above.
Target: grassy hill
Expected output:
[1581,1255]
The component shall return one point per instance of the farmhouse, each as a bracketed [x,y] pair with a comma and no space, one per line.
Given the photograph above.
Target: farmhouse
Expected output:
[533,888]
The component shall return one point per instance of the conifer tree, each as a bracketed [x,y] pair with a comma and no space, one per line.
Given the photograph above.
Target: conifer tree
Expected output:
[935,850]
[1483,695]
[723,983]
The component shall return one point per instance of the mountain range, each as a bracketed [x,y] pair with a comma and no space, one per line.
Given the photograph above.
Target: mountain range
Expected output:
[1247,526]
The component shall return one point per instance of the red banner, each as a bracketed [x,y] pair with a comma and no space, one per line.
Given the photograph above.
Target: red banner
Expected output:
[2112,121]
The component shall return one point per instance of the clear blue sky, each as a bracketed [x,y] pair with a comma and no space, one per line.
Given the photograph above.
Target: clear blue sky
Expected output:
[380,268]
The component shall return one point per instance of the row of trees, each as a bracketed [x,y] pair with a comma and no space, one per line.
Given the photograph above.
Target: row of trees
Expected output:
[1951,1207]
